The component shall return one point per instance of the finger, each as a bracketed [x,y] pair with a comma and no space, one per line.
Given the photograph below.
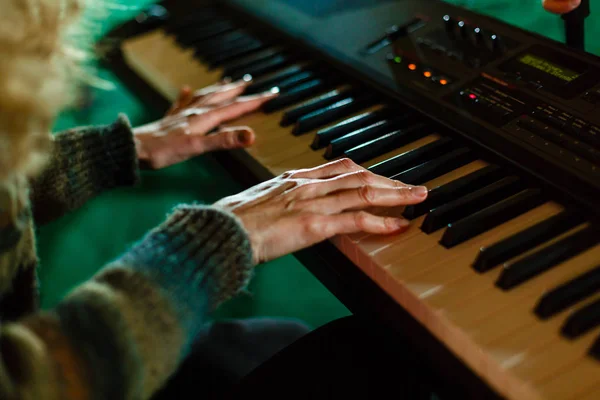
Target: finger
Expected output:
[224,139]
[361,221]
[322,227]
[334,168]
[205,91]
[352,180]
[183,100]
[224,93]
[561,6]
[361,198]
[211,119]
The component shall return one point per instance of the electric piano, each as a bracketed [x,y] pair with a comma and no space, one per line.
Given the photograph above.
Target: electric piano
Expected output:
[501,265]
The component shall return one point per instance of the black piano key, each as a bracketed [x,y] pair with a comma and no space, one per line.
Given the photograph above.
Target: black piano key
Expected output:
[412,158]
[222,42]
[201,17]
[263,67]
[332,113]
[454,190]
[292,116]
[190,36]
[542,260]
[568,294]
[219,52]
[295,73]
[298,94]
[296,80]
[460,208]
[500,252]
[338,146]
[595,349]
[247,62]
[383,144]
[437,167]
[227,55]
[490,217]
[582,321]
[325,136]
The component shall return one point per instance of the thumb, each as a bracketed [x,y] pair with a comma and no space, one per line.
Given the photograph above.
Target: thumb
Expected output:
[185,98]
[228,139]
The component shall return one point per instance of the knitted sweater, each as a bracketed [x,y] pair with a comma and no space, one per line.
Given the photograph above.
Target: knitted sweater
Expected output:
[121,334]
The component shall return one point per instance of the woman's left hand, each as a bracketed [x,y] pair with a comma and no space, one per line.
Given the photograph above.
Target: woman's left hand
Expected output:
[183,132]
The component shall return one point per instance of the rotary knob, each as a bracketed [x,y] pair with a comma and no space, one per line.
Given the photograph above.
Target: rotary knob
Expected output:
[449,24]
[496,44]
[464,29]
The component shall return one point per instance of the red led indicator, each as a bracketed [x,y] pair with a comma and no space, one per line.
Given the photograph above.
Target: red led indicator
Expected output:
[472,96]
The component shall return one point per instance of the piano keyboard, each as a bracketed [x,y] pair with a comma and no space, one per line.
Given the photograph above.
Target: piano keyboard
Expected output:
[493,265]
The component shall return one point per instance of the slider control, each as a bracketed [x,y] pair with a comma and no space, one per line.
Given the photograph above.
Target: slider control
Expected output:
[392,33]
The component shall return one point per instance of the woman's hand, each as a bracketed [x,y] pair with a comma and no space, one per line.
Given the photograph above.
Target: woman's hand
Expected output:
[184,132]
[561,6]
[304,207]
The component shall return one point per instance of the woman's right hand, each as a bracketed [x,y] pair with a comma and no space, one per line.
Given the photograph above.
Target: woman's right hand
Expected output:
[560,6]
[304,207]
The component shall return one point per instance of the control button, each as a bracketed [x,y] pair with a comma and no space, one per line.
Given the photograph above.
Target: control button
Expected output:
[443,81]
[550,118]
[394,58]
[535,85]
[592,97]
[575,129]
[392,33]
[593,135]
[455,55]
[438,49]
[566,157]
[589,134]
[474,62]
[532,125]
[398,31]
[556,122]
[581,149]
[512,76]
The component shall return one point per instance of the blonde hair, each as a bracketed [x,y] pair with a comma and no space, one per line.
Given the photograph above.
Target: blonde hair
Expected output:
[37,64]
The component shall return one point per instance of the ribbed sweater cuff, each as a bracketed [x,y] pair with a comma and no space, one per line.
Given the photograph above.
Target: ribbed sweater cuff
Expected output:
[200,257]
[98,158]
[119,145]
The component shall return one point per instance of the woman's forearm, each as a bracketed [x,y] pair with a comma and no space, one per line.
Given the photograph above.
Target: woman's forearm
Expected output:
[124,332]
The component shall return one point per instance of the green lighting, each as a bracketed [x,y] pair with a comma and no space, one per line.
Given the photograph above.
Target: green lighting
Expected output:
[397,59]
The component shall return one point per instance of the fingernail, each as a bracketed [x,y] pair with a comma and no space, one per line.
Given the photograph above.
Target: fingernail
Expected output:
[270,92]
[227,80]
[247,78]
[402,223]
[244,137]
[420,191]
